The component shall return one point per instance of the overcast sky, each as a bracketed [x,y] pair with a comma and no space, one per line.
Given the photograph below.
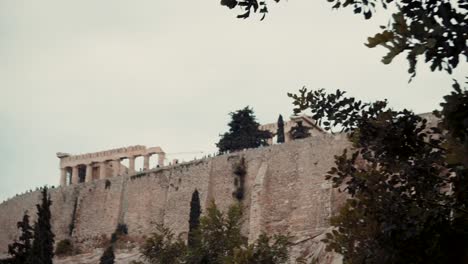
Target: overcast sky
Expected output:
[84,76]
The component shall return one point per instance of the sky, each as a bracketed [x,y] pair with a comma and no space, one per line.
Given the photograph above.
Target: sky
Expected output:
[85,76]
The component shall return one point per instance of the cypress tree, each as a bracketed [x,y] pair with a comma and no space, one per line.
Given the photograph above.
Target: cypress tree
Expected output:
[194,219]
[108,256]
[21,249]
[42,251]
[280,131]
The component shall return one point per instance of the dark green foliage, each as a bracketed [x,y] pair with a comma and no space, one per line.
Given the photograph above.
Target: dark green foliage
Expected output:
[454,116]
[71,226]
[280,131]
[194,219]
[107,184]
[434,29]
[240,171]
[21,249]
[218,241]
[108,256]
[264,251]
[243,132]
[455,122]
[219,236]
[64,248]
[42,251]
[162,247]
[398,177]
[120,230]
[300,131]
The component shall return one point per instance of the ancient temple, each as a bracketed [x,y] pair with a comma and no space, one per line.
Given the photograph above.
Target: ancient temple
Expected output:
[104,164]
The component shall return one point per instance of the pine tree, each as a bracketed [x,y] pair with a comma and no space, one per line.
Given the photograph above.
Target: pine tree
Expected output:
[21,249]
[108,256]
[243,132]
[194,220]
[42,251]
[280,131]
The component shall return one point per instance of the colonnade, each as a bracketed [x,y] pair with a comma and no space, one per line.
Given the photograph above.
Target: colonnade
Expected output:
[103,167]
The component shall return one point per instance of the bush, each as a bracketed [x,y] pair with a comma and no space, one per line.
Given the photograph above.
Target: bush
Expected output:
[162,247]
[217,240]
[64,248]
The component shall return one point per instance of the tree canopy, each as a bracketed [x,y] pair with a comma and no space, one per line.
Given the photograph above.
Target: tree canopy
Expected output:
[436,30]
[406,181]
[243,132]
[218,241]
[20,249]
[42,251]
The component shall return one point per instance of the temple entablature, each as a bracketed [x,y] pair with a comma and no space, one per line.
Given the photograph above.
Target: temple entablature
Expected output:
[104,164]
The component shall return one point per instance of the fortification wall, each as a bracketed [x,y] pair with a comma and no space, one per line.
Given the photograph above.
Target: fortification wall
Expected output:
[285,191]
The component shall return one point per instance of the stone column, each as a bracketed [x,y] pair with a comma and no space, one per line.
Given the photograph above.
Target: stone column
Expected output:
[131,164]
[102,170]
[74,177]
[161,158]
[116,167]
[146,161]
[89,173]
[63,177]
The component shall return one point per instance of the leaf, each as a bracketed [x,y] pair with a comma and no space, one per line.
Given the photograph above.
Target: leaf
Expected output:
[367,14]
[245,15]
[229,3]
[380,38]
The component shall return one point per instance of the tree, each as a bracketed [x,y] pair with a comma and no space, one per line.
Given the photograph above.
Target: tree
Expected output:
[407,198]
[264,251]
[21,249]
[243,132]
[218,241]
[280,131]
[42,251]
[162,247]
[108,256]
[435,29]
[300,131]
[194,220]
[219,236]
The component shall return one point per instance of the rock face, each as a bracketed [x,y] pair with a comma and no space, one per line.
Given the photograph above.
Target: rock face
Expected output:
[285,192]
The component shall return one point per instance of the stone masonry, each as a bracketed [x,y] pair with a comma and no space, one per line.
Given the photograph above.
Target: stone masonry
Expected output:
[285,192]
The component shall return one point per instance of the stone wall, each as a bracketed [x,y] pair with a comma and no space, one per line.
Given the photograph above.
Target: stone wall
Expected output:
[285,191]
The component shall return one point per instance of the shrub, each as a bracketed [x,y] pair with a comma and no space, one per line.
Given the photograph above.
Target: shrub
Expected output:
[64,248]
[240,171]
[218,240]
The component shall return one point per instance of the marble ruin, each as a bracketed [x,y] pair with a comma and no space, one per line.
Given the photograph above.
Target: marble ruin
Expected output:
[104,164]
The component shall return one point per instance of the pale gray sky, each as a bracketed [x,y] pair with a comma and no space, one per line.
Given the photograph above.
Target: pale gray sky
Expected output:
[84,76]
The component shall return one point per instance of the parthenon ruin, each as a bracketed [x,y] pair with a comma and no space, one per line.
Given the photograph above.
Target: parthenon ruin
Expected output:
[104,164]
